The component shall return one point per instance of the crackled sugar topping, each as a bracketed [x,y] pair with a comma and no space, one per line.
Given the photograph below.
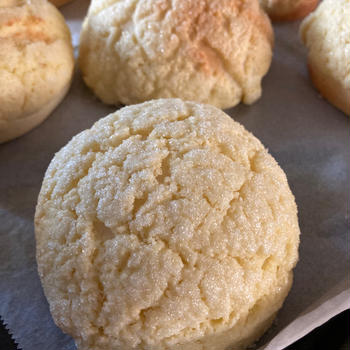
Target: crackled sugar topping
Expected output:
[165,223]
[210,51]
[326,34]
[36,57]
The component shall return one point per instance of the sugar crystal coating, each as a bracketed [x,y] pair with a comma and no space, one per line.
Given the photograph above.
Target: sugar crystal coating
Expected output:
[165,226]
[210,51]
[36,63]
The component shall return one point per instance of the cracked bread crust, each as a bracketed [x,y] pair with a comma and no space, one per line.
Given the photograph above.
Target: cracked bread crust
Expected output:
[288,10]
[36,64]
[165,226]
[326,34]
[211,51]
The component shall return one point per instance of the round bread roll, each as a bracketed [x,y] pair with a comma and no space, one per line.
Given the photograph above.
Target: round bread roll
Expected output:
[326,34]
[288,10]
[212,51]
[36,64]
[165,226]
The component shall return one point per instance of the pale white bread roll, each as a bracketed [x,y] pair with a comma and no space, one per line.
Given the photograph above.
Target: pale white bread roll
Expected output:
[326,34]
[212,51]
[288,10]
[36,64]
[165,226]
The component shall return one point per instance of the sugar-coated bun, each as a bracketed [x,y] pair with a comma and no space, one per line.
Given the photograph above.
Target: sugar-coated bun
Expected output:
[212,51]
[288,10]
[165,226]
[326,34]
[36,64]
